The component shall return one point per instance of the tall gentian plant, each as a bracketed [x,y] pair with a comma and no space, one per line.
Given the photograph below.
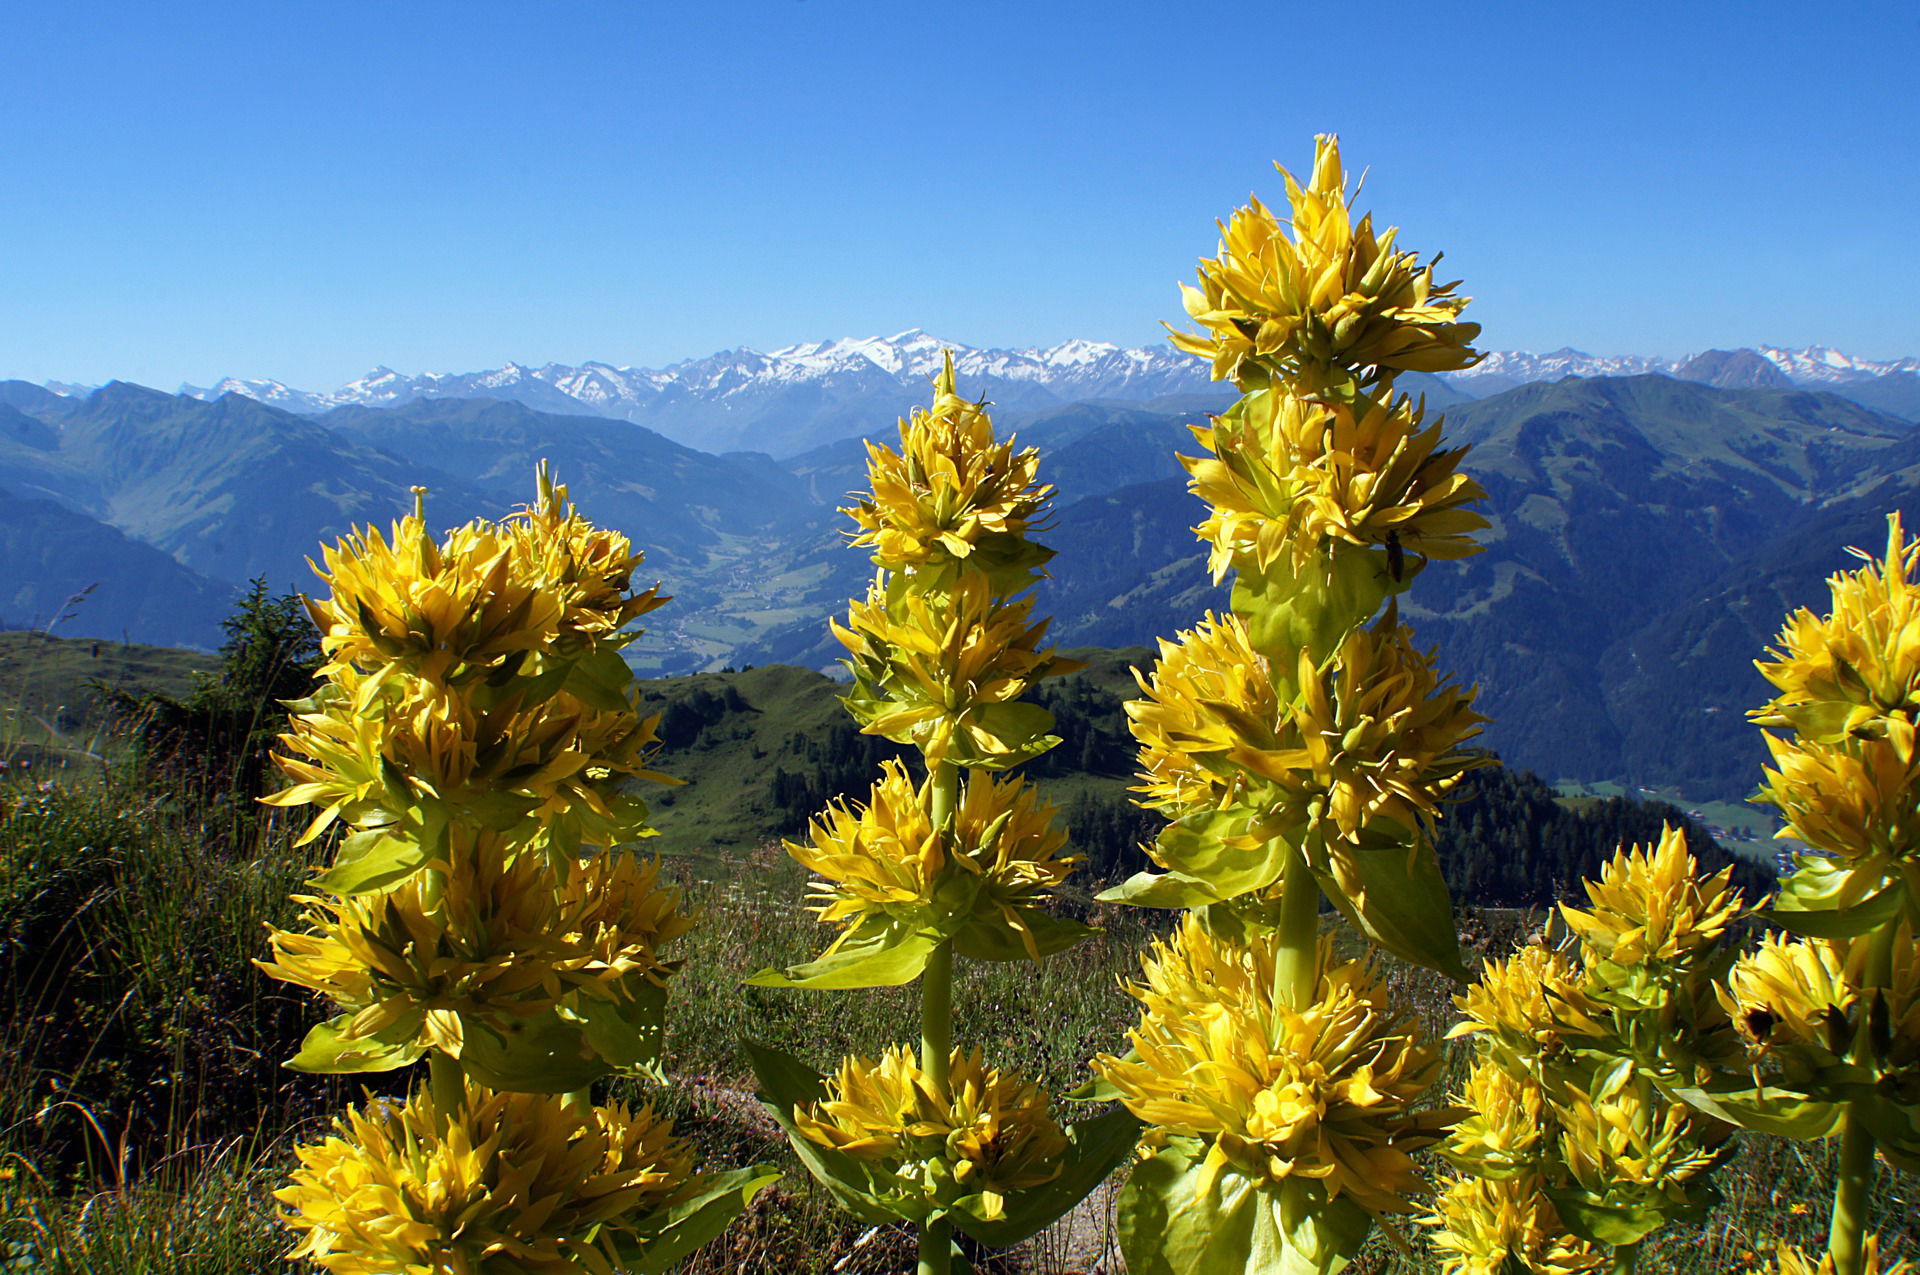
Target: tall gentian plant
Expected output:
[476,736]
[933,866]
[1299,746]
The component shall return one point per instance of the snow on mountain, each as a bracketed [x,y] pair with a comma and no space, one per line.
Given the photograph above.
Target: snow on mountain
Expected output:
[799,395]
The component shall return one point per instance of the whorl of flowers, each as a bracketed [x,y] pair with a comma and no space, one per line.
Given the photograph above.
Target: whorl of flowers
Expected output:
[494,939]
[504,1184]
[1854,674]
[968,1143]
[1649,908]
[1794,1262]
[1504,1129]
[1324,1092]
[952,492]
[386,752]
[942,671]
[489,595]
[1494,1226]
[1373,736]
[1804,1006]
[886,856]
[1628,1145]
[1527,1007]
[1290,478]
[1333,296]
[1858,801]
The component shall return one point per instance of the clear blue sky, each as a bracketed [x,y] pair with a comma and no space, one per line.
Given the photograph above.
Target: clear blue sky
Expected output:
[302,189]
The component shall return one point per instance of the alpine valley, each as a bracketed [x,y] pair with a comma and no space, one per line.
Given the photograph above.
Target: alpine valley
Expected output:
[1651,519]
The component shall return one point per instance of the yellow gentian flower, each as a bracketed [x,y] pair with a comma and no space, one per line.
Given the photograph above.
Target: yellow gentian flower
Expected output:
[1794,1262]
[1484,1226]
[1333,298]
[505,1184]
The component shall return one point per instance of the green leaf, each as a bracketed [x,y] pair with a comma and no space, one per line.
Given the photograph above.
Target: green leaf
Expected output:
[328,1050]
[1404,905]
[879,952]
[786,1083]
[1824,898]
[1595,1220]
[545,1054]
[1211,856]
[1095,1148]
[627,1034]
[685,1226]
[1176,1217]
[993,938]
[601,680]
[372,861]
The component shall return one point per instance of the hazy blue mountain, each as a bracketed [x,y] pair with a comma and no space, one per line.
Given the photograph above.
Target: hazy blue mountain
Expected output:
[62,568]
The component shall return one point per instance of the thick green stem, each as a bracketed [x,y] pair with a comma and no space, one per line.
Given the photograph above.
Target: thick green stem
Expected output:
[1625,1258]
[448,1084]
[1846,1238]
[1296,954]
[936,1017]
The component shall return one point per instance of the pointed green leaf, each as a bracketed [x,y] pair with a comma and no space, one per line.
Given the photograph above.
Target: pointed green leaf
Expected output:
[1824,898]
[692,1222]
[786,1083]
[993,938]
[1404,906]
[880,952]
[545,1054]
[371,861]
[1595,1220]
[329,1051]
[627,1034]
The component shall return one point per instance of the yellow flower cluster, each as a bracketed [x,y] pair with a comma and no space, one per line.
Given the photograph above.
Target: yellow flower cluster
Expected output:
[952,491]
[1332,298]
[489,595]
[1805,1006]
[1794,1262]
[1290,478]
[886,856]
[506,1184]
[1494,1226]
[1631,1146]
[1651,909]
[1373,737]
[496,940]
[969,1142]
[1527,1008]
[1848,781]
[943,669]
[1324,1092]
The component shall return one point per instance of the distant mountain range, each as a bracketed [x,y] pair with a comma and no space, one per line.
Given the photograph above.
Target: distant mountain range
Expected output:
[798,398]
[1649,531]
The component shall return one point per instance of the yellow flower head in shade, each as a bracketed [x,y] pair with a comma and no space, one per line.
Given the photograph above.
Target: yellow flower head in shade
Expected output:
[1651,911]
[1527,1008]
[1322,306]
[1858,800]
[514,1184]
[1375,736]
[952,493]
[1628,1144]
[1855,673]
[1486,1225]
[1803,1005]
[1505,1127]
[886,856]
[970,1143]
[1324,1092]
[496,940]
[586,569]
[384,752]
[1794,1262]
[941,670]
[1289,478]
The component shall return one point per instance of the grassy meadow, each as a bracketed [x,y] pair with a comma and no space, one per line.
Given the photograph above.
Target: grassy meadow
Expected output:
[145,1118]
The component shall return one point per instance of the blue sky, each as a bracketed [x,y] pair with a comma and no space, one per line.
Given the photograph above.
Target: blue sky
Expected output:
[303,190]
